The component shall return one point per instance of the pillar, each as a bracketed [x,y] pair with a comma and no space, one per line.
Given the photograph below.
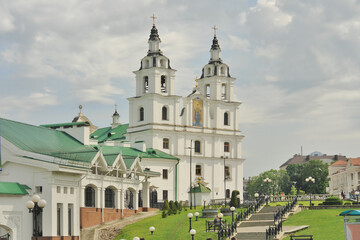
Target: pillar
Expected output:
[146,195]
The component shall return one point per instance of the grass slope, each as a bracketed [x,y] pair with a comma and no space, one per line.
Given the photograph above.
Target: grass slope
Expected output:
[323,224]
[174,227]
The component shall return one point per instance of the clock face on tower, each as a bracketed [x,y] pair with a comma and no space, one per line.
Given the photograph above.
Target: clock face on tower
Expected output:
[197,116]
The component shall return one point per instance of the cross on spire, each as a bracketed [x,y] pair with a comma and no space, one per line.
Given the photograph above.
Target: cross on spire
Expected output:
[196,80]
[115,107]
[215,28]
[153,17]
[80,108]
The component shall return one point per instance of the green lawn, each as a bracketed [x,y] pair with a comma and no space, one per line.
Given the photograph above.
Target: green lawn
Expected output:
[323,224]
[173,227]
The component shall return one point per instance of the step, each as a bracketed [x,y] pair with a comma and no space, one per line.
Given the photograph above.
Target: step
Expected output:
[262,216]
[256,223]
[251,236]
[268,209]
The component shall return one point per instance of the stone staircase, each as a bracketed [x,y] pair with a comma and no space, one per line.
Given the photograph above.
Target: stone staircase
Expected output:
[255,227]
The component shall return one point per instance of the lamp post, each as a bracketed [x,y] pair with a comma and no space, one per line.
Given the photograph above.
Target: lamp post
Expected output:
[204,203]
[190,215]
[196,215]
[35,206]
[224,157]
[232,209]
[152,229]
[357,197]
[220,216]
[190,148]
[310,179]
[256,195]
[192,232]
[239,198]
[267,180]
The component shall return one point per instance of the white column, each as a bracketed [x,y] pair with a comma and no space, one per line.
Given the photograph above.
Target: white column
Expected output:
[64,219]
[98,198]
[145,191]
[82,196]
[135,200]
[118,199]
[122,195]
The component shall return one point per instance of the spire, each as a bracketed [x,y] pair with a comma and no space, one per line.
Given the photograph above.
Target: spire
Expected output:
[154,36]
[115,118]
[215,44]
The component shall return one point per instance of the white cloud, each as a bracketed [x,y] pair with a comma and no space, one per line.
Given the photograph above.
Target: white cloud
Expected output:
[6,20]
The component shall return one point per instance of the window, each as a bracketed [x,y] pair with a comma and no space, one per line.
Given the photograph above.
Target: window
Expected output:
[208,70]
[59,218]
[207,90]
[109,198]
[227,172]
[223,91]
[141,111]
[222,71]
[70,219]
[89,197]
[147,63]
[226,119]
[163,83]
[165,194]
[227,193]
[164,113]
[226,147]
[38,189]
[165,174]
[197,146]
[71,190]
[146,84]
[162,63]
[165,143]
[58,189]
[198,170]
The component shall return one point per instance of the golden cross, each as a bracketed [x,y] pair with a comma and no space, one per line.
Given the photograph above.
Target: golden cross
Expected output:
[153,17]
[196,80]
[215,28]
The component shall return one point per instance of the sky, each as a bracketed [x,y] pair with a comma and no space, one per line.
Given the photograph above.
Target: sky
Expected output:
[296,65]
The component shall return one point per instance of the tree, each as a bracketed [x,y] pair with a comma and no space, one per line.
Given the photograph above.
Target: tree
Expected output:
[234,199]
[293,190]
[166,205]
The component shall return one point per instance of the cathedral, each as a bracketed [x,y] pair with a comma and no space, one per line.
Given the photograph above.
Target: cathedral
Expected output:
[173,148]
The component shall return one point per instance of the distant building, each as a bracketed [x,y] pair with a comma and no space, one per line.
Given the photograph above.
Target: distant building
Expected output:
[301,159]
[344,176]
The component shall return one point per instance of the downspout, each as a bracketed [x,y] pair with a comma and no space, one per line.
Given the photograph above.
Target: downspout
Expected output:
[176,178]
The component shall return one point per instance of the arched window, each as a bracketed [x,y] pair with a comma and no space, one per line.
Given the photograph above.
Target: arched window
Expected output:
[141,113]
[165,143]
[227,172]
[227,193]
[197,146]
[147,63]
[146,84]
[162,63]
[198,170]
[222,71]
[163,83]
[164,113]
[208,70]
[89,197]
[223,91]
[226,147]
[207,90]
[109,198]
[226,119]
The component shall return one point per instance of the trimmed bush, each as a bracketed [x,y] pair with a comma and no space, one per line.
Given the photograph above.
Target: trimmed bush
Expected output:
[234,202]
[163,215]
[333,201]
[166,205]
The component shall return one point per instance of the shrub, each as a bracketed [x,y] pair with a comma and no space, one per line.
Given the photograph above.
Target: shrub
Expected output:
[234,202]
[301,192]
[166,205]
[333,201]
[163,215]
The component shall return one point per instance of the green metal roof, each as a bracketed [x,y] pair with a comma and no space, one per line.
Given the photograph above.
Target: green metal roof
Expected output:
[109,134]
[57,125]
[200,189]
[45,141]
[13,188]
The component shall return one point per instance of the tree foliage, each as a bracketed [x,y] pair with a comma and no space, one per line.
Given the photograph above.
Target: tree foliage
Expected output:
[234,202]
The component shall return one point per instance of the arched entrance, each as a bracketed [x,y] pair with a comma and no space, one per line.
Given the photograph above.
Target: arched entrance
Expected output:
[5,233]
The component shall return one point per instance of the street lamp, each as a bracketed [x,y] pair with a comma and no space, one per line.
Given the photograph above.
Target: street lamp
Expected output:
[204,203]
[136,238]
[310,179]
[190,215]
[267,180]
[220,216]
[256,195]
[224,157]
[239,198]
[232,209]
[196,215]
[357,197]
[152,229]
[192,232]
[190,148]
[35,206]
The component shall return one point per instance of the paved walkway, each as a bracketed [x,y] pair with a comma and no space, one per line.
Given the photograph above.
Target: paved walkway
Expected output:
[109,231]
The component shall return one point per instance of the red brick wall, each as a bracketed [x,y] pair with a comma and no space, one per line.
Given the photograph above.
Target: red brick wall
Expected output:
[90,217]
[111,214]
[57,238]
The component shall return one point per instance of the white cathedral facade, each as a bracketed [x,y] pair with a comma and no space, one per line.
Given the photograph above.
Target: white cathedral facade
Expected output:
[206,121]
[171,146]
